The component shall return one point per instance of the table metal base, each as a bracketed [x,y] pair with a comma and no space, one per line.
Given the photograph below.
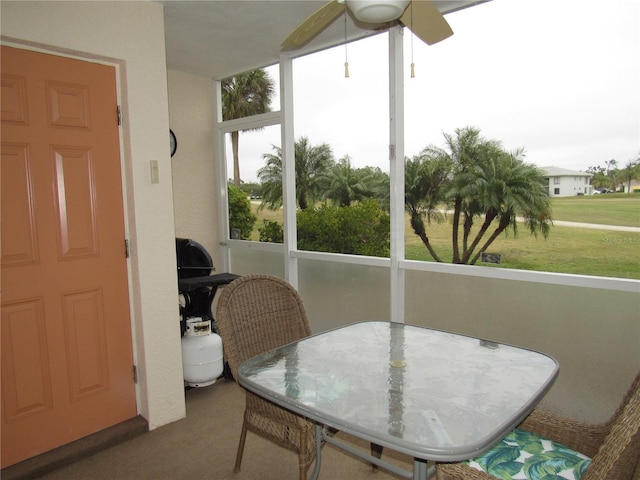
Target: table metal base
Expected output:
[421,470]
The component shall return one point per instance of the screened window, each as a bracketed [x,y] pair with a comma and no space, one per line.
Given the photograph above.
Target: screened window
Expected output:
[341,130]
[342,156]
[250,106]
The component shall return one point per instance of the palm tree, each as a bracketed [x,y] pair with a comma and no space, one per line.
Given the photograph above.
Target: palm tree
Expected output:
[466,150]
[505,188]
[612,173]
[631,171]
[312,165]
[270,177]
[245,95]
[346,184]
[480,181]
[424,178]
[379,184]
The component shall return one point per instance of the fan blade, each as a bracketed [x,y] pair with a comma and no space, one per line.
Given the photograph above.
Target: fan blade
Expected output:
[313,25]
[426,22]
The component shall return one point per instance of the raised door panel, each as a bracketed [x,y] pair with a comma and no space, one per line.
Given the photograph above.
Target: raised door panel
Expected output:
[14,100]
[86,348]
[26,379]
[19,238]
[75,201]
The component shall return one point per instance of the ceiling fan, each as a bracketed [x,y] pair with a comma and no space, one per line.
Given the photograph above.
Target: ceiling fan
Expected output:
[420,16]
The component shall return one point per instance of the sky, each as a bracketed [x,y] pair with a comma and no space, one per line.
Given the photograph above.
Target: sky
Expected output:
[560,79]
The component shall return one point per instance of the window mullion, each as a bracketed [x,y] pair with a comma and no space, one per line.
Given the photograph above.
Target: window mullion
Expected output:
[288,170]
[396,171]
[221,183]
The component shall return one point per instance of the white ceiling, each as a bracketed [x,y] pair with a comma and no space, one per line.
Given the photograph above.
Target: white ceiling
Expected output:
[219,38]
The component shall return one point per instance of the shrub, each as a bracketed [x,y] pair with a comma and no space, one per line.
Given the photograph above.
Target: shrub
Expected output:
[241,220]
[360,229]
[271,232]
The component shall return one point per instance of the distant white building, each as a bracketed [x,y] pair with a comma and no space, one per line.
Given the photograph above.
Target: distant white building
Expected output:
[633,186]
[567,183]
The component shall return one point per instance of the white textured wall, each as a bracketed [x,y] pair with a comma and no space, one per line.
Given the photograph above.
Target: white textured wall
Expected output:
[130,34]
[195,199]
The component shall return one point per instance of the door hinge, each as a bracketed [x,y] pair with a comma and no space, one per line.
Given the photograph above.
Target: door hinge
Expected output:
[126,248]
[135,374]
[119,114]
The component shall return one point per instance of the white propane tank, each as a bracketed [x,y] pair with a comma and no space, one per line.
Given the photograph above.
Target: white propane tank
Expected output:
[201,353]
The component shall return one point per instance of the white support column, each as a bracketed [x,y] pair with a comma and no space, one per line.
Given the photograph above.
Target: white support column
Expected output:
[396,170]
[288,170]
[221,184]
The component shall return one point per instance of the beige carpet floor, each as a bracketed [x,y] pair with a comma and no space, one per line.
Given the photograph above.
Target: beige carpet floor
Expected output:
[203,446]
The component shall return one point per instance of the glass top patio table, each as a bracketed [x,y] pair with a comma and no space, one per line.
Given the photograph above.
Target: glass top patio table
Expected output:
[426,393]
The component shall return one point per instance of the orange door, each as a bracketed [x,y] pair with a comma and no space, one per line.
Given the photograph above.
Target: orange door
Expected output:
[66,336]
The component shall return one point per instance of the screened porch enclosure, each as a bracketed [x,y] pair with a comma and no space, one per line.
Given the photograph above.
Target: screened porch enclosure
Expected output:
[591,325]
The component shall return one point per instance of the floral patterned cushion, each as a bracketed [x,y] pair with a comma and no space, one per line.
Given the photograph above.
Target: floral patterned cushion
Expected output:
[526,456]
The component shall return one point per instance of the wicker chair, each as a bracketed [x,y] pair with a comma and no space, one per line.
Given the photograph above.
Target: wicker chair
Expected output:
[614,447]
[255,314]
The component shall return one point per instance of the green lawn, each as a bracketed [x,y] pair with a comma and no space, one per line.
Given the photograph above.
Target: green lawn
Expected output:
[566,250]
[264,214]
[608,209]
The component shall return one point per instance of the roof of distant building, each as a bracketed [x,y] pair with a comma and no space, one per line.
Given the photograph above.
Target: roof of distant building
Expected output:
[563,172]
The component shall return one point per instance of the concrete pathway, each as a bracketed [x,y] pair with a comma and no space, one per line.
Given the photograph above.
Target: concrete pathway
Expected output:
[596,226]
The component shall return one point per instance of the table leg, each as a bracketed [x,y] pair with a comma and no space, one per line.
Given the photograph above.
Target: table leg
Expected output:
[316,467]
[376,451]
[422,470]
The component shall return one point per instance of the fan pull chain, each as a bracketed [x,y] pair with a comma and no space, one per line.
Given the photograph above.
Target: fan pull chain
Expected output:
[413,71]
[346,61]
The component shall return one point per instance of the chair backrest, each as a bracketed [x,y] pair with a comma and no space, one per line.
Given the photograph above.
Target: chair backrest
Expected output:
[257,313]
[618,455]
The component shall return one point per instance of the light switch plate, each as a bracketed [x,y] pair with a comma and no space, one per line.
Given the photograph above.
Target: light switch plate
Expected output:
[155,174]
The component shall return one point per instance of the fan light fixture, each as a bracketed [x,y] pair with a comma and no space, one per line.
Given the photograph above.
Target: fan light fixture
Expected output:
[422,17]
[380,11]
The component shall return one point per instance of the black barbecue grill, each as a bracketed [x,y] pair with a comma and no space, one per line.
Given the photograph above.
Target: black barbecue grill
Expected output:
[195,282]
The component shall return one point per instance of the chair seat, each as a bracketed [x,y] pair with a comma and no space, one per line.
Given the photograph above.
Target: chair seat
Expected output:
[522,455]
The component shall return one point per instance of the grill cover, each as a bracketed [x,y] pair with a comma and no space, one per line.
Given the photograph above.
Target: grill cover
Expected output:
[192,258]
